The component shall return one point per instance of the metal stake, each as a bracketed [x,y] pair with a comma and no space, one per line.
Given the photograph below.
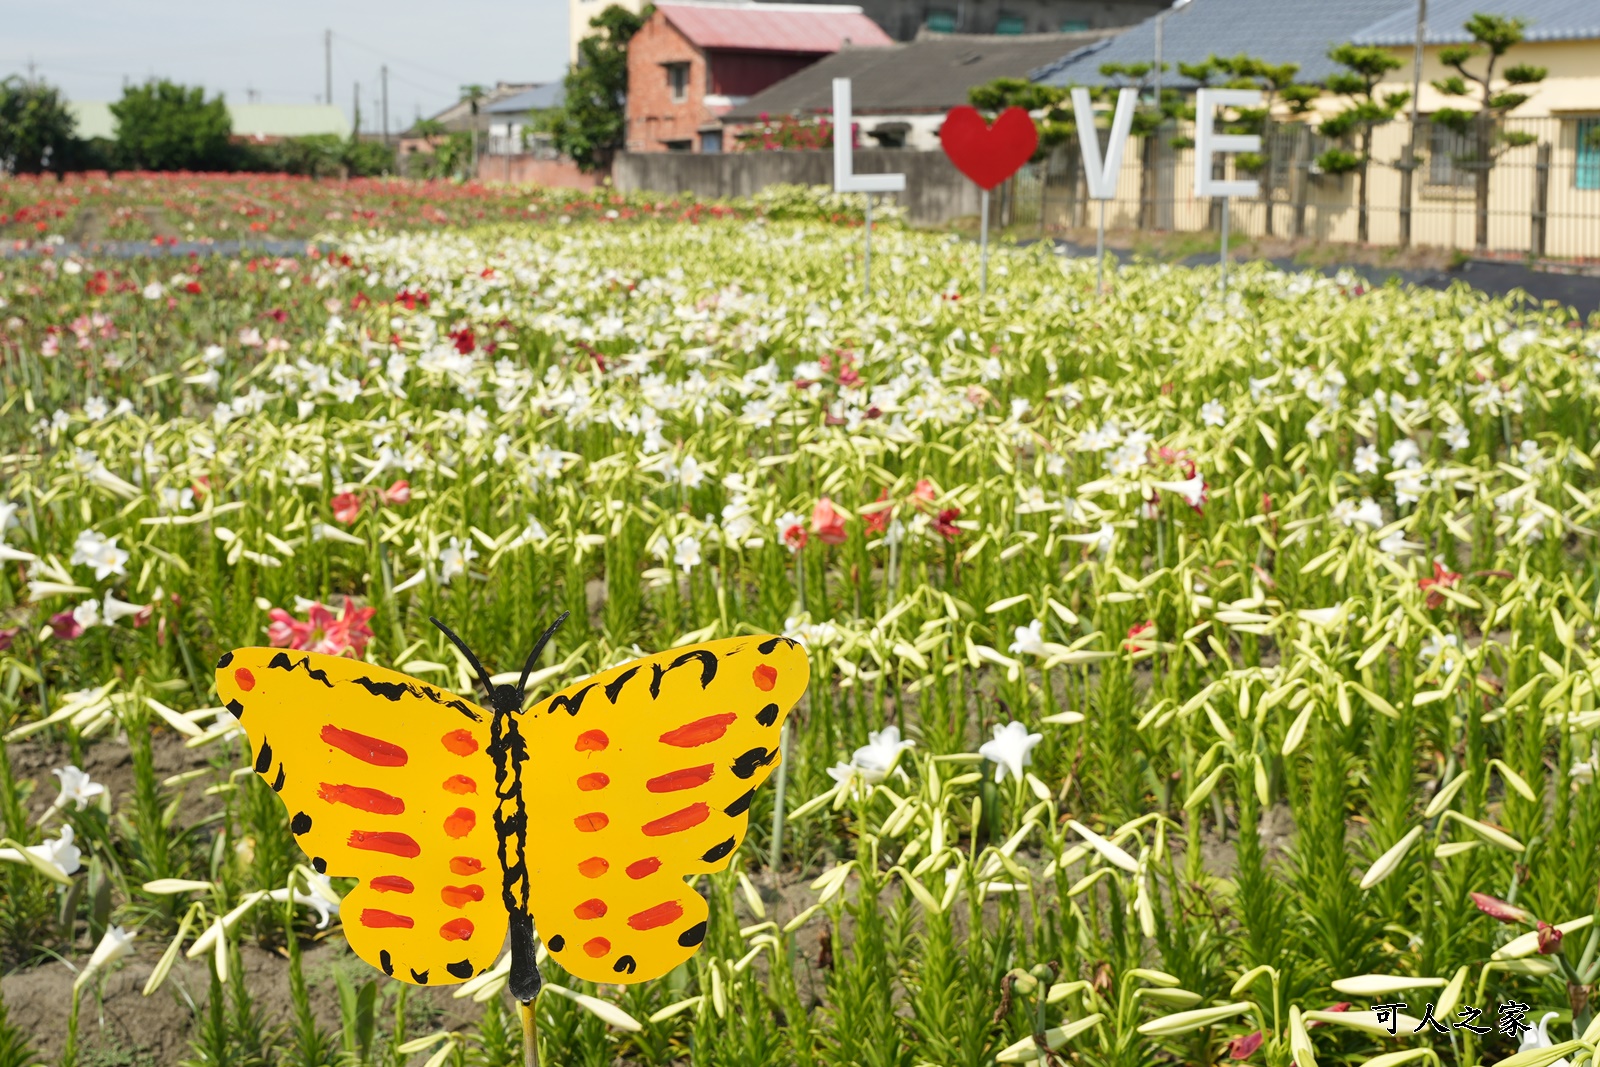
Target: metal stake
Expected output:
[983,245]
[530,1032]
[1225,213]
[866,267]
[1100,253]
[778,802]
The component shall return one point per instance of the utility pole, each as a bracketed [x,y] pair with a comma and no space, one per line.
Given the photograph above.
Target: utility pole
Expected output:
[1408,152]
[357,122]
[383,77]
[327,66]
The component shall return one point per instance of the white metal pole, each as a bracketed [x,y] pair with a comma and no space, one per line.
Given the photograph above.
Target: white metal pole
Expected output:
[983,245]
[1226,205]
[1100,253]
[866,265]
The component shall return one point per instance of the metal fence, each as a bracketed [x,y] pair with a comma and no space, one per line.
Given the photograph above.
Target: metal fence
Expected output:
[1472,193]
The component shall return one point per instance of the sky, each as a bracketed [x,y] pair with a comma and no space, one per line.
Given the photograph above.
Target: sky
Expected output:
[274,48]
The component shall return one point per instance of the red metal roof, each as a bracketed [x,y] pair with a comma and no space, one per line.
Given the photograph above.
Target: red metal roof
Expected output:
[749,27]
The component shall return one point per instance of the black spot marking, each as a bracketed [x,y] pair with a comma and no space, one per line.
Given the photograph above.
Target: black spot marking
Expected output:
[277,783]
[236,709]
[767,715]
[387,690]
[571,704]
[281,662]
[625,965]
[693,936]
[614,687]
[420,979]
[747,765]
[264,758]
[556,943]
[717,852]
[386,962]
[301,823]
[227,658]
[766,647]
[740,806]
[319,864]
[708,669]
[461,969]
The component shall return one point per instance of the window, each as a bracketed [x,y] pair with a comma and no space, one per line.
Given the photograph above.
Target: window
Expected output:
[942,21]
[678,81]
[679,146]
[1011,24]
[711,141]
[1074,25]
[1449,158]
[1587,175]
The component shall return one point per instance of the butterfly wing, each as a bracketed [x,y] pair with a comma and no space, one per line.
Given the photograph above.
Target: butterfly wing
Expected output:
[386,779]
[639,777]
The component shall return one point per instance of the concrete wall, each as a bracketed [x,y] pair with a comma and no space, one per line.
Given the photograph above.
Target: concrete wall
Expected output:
[935,191]
[535,170]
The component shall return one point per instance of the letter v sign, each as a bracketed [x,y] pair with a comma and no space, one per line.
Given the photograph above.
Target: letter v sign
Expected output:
[1102,177]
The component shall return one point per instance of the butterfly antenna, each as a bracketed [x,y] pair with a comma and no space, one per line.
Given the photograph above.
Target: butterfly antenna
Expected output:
[544,639]
[483,675]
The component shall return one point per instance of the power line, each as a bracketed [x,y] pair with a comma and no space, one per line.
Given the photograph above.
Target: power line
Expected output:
[453,79]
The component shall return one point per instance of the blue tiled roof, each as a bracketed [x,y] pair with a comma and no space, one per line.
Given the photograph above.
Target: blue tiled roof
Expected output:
[539,98]
[1548,20]
[1278,31]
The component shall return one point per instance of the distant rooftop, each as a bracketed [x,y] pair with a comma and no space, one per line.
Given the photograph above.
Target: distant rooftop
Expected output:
[752,27]
[1548,20]
[539,98]
[931,74]
[1278,31]
[94,119]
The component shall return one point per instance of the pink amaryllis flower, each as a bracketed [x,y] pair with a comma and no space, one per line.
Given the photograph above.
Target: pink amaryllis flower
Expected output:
[64,626]
[1549,939]
[7,636]
[827,522]
[346,506]
[1496,908]
[322,631]
[398,493]
[945,524]
[1245,1045]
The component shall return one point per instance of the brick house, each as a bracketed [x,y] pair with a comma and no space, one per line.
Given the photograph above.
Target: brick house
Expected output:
[693,61]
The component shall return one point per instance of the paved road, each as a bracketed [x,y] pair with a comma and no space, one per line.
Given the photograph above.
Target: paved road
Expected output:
[1578,291]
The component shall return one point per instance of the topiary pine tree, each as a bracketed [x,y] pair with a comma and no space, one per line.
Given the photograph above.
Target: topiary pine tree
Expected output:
[1358,82]
[1494,36]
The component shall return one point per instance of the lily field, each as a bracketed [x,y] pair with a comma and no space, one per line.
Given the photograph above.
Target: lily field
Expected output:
[1197,676]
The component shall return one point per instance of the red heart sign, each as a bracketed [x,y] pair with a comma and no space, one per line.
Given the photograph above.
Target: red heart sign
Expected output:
[988,154]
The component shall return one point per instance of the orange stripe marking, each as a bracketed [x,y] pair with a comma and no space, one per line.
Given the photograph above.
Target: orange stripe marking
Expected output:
[687,778]
[466,866]
[592,741]
[371,750]
[392,883]
[363,799]
[590,782]
[700,732]
[459,823]
[461,742]
[459,784]
[597,947]
[594,867]
[456,930]
[459,896]
[378,919]
[594,908]
[678,821]
[660,915]
[395,844]
[644,868]
[765,677]
[595,820]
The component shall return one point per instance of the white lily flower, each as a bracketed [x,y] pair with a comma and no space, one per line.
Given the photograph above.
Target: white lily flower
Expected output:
[1539,1037]
[77,788]
[1193,490]
[112,609]
[686,553]
[877,757]
[115,944]
[61,853]
[1010,750]
[321,899]
[101,553]
[1029,639]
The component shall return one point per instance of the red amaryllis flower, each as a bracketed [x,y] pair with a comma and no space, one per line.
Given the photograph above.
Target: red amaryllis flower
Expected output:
[192,288]
[1496,908]
[877,519]
[1549,939]
[1245,1045]
[65,627]
[346,506]
[945,524]
[1145,630]
[795,536]
[465,340]
[1442,579]
[398,493]
[7,636]
[322,631]
[923,493]
[828,523]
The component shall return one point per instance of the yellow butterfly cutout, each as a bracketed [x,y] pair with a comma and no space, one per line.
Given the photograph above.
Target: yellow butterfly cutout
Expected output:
[580,817]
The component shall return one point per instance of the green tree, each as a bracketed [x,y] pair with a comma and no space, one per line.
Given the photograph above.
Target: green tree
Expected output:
[36,129]
[165,126]
[1275,82]
[1487,138]
[591,124]
[1055,126]
[1358,83]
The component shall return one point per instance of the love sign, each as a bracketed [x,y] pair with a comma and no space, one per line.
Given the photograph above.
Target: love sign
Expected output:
[988,154]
